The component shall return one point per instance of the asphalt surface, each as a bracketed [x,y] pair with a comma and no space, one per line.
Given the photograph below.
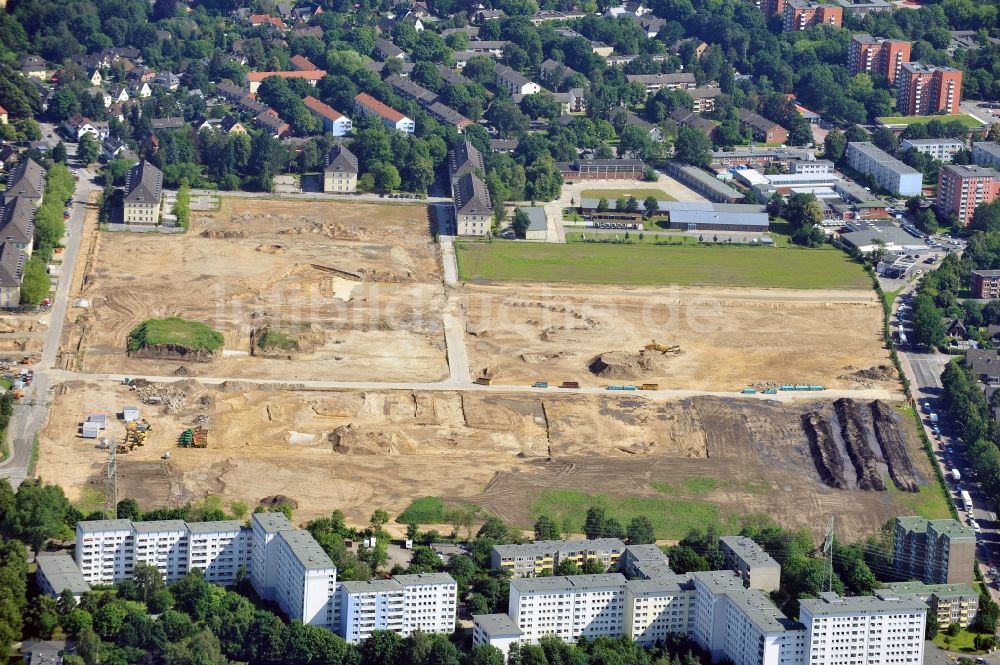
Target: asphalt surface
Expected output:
[31,412]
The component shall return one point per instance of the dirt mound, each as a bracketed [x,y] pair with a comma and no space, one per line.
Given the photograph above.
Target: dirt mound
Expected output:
[174,352]
[624,365]
[223,234]
[351,440]
[829,463]
[852,431]
[271,249]
[874,373]
[893,443]
[181,371]
[272,502]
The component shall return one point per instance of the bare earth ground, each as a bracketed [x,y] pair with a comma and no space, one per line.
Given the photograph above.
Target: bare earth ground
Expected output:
[360,284]
[728,338]
[357,451]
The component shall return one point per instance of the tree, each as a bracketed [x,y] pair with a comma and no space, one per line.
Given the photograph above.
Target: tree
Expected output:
[835,145]
[640,531]
[35,282]
[631,204]
[520,223]
[593,566]
[546,529]
[803,210]
[41,618]
[987,217]
[602,205]
[613,529]
[484,654]
[651,206]
[128,509]
[931,627]
[39,513]
[692,146]
[928,323]
[593,527]
[148,581]
[59,153]
[378,520]
[568,567]
[879,252]
[87,150]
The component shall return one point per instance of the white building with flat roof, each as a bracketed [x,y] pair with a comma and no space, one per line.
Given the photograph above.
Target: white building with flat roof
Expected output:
[264,554]
[757,633]
[306,579]
[57,573]
[658,608]
[568,607]
[943,150]
[884,628]
[986,153]
[105,550]
[888,172]
[749,560]
[404,604]
[220,549]
[164,545]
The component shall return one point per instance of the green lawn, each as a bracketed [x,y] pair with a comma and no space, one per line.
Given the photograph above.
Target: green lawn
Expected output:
[964,641]
[611,194]
[672,518]
[633,238]
[929,503]
[427,510]
[774,267]
[966,120]
[177,332]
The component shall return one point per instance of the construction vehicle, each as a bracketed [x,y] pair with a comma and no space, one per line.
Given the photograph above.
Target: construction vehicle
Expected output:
[662,348]
[194,437]
[484,380]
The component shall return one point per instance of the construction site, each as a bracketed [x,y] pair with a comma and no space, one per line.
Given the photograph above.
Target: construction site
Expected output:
[311,295]
[354,289]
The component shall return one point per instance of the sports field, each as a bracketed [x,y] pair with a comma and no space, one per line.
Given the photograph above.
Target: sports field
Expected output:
[966,120]
[761,267]
[640,194]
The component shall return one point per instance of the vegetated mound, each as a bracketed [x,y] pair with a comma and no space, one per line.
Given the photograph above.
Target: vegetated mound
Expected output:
[625,365]
[174,338]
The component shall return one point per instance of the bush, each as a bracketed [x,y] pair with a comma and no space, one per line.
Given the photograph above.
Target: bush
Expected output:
[272,339]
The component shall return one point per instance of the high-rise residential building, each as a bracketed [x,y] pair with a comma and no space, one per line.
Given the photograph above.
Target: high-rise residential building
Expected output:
[749,560]
[264,555]
[884,628]
[306,580]
[928,89]
[403,604]
[801,14]
[881,57]
[569,607]
[757,633]
[888,172]
[934,551]
[658,608]
[962,189]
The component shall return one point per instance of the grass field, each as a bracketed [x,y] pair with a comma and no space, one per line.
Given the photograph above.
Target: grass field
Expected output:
[672,518]
[765,267]
[964,641]
[929,503]
[175,331]
[612,194]
[426,510]
[966,120]
[633,238]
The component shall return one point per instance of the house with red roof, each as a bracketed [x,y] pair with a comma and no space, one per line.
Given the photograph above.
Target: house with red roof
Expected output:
[300,63]
[334,121]
[391,118]
[256,78]
[3,116]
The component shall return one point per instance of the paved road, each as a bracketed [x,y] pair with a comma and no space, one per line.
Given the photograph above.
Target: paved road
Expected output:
[453,315]
[32,411]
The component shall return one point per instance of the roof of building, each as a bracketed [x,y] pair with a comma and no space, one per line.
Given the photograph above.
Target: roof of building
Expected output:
[655,570]
[542,547]
[302,63]
[864,233]
[408,88]
[305,548]
[830,603]
[449,115]
[882,157]
[759,609]
[272,522]
[757,121]
[91,526]
[173,122]
[913,523]
[311,75]
[322,109]
[271,120]
[922,68]
[371,586]
[987,273]
[450,76]
[387,48]
[143,184]
[971,171]
[12,262]
[536,218]
[153,526]
[342,160]
[954,529]
[511,75]
[564,583]
[718,581]
[749,551]
[707,180]
[939,590]
[17,221]
[661,79]
[704,92]
[471,195]
[424,578]
[218,526]
[465,158]
[27,179]
[656,585]
[943,141]
[497,625]
[62,572]
[648,552]
[374,105]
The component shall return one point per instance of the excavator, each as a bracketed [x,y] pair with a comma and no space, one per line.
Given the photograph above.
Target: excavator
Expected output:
[662,348]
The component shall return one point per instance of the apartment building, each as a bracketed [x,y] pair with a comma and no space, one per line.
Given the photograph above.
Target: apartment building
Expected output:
[935,551]
[653,83]
[950,603]
[105,550]
[888,172]
[704,98]
[264,554]
[164,545]
[928,89]
[143,189]
[749,560]
[513,81]
[764,130]
[658,608]
[497,630]
[757,633]
[544,556]
[811,167]
[306,580]
[27,181]
[333,121]
[340,175]
[644,561]
[464,158]
[986,153]
[943,150]
[404,604]
[885,628]
[17,223]
[57,573]
[801,14]
[962,189]
[881,57]
[710,608]
[310,76]
[391,118]
[472,205]
[220,549]
[986,284]
[568,607]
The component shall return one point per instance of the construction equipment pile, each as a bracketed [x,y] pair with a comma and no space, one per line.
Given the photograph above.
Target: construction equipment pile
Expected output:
[135,435]
[170,398]
[194,437]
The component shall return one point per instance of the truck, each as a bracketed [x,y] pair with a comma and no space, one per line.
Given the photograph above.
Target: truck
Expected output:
[934,418]
[966,500]
[956,475]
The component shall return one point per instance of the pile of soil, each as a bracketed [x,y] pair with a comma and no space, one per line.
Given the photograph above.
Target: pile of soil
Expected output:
[852,430]
[625,365]
[826,456]
[875,373]
[890,437]
[174,352]
[272,502]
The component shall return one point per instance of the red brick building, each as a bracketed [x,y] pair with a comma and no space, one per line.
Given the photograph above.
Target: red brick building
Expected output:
[764,130]
[962,189]
[986,284]
[800,14]
[882,57]
[928,89]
